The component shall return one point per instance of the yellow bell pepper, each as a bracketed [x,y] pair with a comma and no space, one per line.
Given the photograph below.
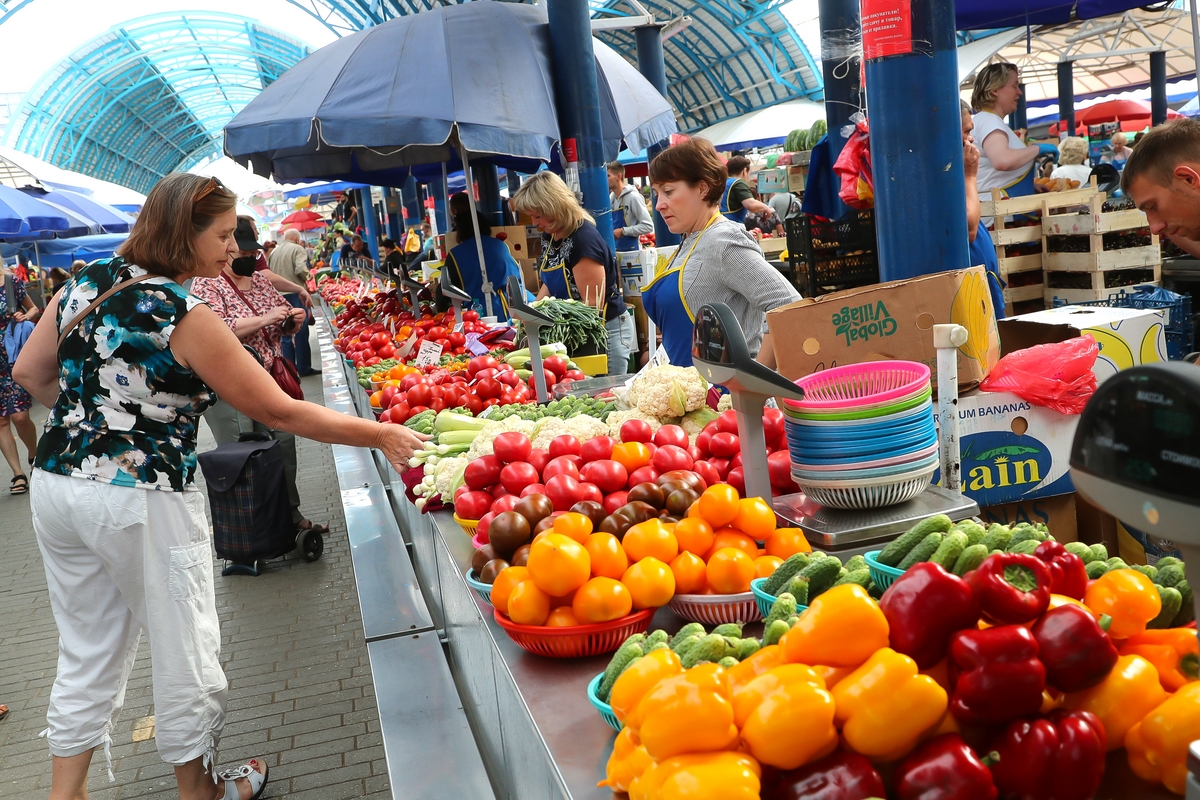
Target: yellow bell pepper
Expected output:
[687,713]
[885,705]
[629,759]
[1129,693]
[1126,595]
[743,672]
[1174,652]
[842,628]
[786,717]
[700,776]
[1158,744]
[640,677]
[832,675]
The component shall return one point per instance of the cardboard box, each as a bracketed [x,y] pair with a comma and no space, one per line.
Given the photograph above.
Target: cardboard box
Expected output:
[1136,547]
[1127,336]
[515,236]
[529,272]
[1095,526]
[1057,513]
[1012,451]
[889,321]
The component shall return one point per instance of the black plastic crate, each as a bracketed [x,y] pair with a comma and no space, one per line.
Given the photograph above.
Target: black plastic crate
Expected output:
[827,255]
[840,271]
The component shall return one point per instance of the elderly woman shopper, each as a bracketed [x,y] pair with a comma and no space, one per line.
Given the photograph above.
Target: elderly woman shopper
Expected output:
[15,307]
[717,261]
[1072,153]
[576,263]
[1120,151]
[259,317]
[1005,161]
[127,361]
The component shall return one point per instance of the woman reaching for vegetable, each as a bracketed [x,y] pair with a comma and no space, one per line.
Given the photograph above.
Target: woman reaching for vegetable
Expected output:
[577,264]
[717,261]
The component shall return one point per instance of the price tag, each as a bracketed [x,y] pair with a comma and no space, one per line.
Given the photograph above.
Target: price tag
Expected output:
[429,354]
[458,326]
[473,344]
[403,350]
[660,357]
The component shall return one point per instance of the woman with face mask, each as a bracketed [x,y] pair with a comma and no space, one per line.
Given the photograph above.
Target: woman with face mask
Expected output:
[260,317]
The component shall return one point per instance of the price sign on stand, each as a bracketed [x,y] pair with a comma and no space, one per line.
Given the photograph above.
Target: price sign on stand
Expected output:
[429,354]
[474,345]
[660,358]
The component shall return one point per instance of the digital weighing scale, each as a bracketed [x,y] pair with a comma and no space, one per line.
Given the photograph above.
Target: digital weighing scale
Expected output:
[1137,456]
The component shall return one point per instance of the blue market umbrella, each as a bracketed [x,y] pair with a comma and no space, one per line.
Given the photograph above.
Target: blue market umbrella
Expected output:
[104,217]
[424,88]
[22,215]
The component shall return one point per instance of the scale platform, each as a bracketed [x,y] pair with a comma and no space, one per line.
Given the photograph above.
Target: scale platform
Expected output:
[854,532]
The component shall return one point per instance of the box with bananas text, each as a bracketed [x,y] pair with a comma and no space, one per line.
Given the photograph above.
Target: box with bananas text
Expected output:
[1128,337]
[889,321]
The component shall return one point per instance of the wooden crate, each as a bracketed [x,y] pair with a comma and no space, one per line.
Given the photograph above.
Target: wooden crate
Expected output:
[1013,264]
[1101,260]
[1020,294]
[1094,224]
[1095,221]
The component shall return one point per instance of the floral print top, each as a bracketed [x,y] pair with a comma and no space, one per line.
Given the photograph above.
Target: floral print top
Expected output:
[220,296]
[127,411]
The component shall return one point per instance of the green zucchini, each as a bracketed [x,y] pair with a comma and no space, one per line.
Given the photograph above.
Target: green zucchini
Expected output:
[923,551]
[949,550]
[970,559]
[895,552]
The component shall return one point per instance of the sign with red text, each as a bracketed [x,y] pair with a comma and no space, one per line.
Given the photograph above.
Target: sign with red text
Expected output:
[886,28]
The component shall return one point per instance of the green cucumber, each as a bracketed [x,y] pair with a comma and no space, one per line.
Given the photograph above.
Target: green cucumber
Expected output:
[895,552]
[856,562]
[860,577]
[923,551]
[970,559]
[626,654]
[949,550]
[798,587]
[1172,602]
[783,607]
[997,538]
[974,531]
[821,575]
[784,573]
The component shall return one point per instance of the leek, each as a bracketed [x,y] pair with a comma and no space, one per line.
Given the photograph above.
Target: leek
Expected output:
[450,421]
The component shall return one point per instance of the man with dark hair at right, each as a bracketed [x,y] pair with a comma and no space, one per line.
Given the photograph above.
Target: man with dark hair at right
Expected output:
[739,197]
[1162,177]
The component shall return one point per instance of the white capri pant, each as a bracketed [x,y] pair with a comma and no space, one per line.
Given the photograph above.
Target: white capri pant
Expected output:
[120,560]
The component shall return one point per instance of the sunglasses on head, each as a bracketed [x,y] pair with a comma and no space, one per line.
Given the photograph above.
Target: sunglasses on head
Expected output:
[212,185]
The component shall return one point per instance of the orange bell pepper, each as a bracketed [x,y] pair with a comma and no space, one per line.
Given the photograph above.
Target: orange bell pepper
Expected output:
[687,713]
[629,759]
[700,776]
[1129,693]
[842,627]
[642,675]
[1174,652]
[743,672]
[1126,595]
[885,706]
[786,717]
[1158,745]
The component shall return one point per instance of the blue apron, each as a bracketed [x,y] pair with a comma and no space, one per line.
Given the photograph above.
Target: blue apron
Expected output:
[665,304]
[737,216]
[625,244]
[463,263]
[983,252]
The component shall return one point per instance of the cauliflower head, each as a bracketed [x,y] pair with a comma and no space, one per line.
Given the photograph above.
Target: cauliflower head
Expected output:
[668,391]
[482,443]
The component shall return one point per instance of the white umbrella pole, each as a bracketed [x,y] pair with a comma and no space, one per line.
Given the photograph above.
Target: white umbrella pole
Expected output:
[1195,41]
[487,286]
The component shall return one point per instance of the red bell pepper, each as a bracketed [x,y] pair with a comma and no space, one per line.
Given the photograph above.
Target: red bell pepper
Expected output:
[838,776]
[1011,588]
[1060,757]
[996,675]
[924,608]
[1068,576]
[1074,648]
[944,768]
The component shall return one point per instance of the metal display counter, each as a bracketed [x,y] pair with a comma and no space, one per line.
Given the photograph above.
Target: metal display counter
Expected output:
[536,732]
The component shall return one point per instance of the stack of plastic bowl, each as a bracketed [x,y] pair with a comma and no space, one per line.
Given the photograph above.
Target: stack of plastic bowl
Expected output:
[863,437]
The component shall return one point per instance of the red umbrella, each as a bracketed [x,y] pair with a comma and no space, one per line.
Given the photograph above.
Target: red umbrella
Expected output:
[302,221]
[1134,115]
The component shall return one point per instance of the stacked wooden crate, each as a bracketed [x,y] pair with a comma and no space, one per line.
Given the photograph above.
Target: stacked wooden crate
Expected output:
[1095,273]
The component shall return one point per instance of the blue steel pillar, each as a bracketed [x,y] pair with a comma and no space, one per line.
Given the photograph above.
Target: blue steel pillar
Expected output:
[577,92]
[1022,112]
[1066,97]
[395,225]
[916,149]
[412,212]
[487,178]
[370,222]
[654,69]
[1158,87]
[840,28]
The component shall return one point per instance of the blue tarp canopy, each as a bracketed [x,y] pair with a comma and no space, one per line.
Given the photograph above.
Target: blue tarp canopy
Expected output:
[973,15]
[61,252]
[321,188]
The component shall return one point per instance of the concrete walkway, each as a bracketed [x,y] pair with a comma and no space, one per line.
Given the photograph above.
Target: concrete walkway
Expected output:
[300,690]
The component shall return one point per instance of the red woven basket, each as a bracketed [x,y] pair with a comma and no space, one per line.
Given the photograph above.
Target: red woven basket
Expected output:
[576,641]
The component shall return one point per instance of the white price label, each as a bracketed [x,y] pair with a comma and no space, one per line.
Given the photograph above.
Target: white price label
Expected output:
[429,354]
[660,357]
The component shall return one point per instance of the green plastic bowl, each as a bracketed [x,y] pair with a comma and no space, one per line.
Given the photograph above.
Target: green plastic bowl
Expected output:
[765,600]
[882,574]
[604,708]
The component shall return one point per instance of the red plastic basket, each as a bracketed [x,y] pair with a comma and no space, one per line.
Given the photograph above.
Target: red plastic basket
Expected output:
[576,641]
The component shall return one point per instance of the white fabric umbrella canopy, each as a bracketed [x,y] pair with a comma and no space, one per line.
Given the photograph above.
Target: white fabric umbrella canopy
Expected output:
[764,127]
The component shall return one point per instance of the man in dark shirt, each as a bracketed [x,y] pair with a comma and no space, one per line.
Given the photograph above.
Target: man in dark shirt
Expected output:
[393,259]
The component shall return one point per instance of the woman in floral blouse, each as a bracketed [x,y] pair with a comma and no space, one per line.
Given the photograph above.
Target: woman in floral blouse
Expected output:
[118,517]
[15,402]
[258,315]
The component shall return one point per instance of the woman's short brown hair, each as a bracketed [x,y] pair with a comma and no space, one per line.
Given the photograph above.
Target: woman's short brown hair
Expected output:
[694,161]
[988,81]
[179,208]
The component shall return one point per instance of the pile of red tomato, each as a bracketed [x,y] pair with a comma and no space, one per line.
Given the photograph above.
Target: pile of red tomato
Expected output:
[367,343]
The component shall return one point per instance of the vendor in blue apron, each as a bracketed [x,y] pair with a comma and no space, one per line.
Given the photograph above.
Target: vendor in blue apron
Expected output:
[576,262]
[631,218]
[738,197]
[717,261]
[982,251]
[1005,161]
[462,264]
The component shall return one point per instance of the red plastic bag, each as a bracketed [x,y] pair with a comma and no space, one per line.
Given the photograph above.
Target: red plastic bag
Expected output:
[1057,376]
[853,168]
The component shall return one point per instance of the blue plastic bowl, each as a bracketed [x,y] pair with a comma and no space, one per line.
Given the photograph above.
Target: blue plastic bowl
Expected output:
[764,600]
[843,454]
[867,422]
[604,708]
[820,436]
[882,574]
[801,475]
[484,590]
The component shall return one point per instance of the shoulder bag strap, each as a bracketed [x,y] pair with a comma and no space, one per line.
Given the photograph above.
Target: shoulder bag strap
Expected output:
[92,306]
[233,286]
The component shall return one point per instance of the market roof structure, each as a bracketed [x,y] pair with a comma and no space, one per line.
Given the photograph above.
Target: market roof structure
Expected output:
[150,96]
